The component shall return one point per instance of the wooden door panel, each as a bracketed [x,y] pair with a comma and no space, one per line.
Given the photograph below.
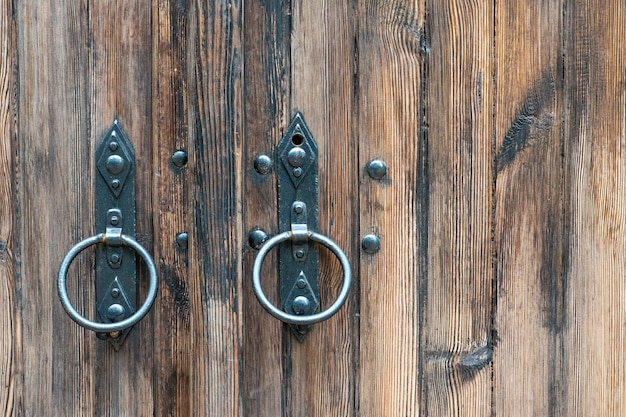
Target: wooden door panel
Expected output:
[497,289]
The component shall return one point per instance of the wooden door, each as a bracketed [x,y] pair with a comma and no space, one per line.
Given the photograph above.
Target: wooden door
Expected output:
[498,289]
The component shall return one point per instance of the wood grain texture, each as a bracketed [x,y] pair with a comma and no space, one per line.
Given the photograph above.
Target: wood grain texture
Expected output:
[215,256]
[595,166]
[10,340]
[456,334]
[529,209]
[56,205]
[321,377]
[267,114]
[391,62]
[174,343]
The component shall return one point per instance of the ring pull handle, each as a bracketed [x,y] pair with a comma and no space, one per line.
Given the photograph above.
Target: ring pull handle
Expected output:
[293,318]
[297,175]
[114,310]
[116,272]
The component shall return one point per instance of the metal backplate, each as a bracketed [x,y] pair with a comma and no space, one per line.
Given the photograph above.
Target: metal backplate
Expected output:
[116,277]
[297,169]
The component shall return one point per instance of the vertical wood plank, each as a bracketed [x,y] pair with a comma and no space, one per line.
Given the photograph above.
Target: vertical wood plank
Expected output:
[120,64]
[321,378]
[456,335]
[393,48]
[267,113]
[55,200]
[173,341]
[10,335]
[215,257]
[529,224]
[595,165]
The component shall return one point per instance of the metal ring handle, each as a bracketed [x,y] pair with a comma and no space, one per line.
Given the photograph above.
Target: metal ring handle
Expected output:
[292,318]
[107,327]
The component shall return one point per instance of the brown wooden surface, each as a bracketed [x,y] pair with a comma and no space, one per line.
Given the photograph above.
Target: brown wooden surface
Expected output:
[594,328]
[390,102]
[498,289]
[529,209]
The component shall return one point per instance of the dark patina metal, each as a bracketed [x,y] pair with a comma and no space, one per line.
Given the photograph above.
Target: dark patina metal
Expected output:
[297,170]
[116,277]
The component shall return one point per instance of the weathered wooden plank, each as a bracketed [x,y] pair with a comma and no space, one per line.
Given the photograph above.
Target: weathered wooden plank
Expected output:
[56,206]
[173,342]
[216,239]
[10,335]
[595,167]
[528,212]
[456,334]
[120,63]
[393,50]
[321,378]
[267,113]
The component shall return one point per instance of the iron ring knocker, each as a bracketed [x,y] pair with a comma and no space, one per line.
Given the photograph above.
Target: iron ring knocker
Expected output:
[107,327]
[291,318]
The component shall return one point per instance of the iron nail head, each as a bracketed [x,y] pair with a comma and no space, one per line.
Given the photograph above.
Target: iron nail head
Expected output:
[377,169]
[370,244]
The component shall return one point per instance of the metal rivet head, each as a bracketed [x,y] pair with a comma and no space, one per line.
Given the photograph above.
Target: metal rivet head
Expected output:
[115,164]
[297,172]
[298,208]
[376,169]
[113,146]
[263,164]
[370,244]
[115,220]
[296,157]
[182,240]
[299,254]
[115,183]
[115,292]
[257,238]
[116,312]
[115,258]
[301,283]
[179,158]
[301,305]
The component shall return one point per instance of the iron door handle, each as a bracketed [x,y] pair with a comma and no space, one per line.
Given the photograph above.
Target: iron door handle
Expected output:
[114,309]
[292,318]
[297,189]
[116,272]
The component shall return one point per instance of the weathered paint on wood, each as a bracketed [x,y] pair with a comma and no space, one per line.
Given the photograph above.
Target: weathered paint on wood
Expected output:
[498,289]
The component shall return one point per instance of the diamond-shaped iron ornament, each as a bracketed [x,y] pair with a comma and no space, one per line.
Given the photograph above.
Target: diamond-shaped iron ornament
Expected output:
[297,150]
[115,160]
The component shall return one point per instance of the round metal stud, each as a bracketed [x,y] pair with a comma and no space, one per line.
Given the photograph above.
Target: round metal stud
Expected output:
[301,305]
[116,312]
[113,146]
[377,169]
[257,238]
[296,157]
[115,164]
[370,244]
[179,158]
[263,164]
[182,240]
